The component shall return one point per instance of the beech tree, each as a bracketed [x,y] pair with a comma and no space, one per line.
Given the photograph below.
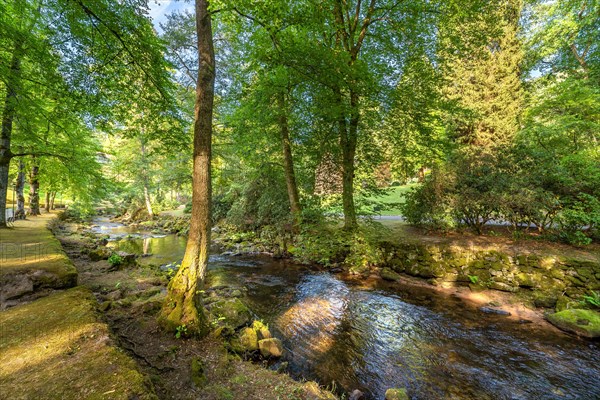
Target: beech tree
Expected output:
[182,306]
[77,57]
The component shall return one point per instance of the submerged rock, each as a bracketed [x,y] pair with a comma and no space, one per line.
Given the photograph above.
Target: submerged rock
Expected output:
[271,347]
[585,323]
[396,394]
[489,310]
[356,395]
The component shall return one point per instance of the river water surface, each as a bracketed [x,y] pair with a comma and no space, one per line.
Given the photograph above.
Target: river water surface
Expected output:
[375,335]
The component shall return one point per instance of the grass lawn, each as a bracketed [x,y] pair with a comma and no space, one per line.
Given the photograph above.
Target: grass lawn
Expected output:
[395,195]
[32,258]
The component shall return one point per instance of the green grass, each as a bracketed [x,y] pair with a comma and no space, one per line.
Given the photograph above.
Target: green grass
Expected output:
[57,347]
[395,194]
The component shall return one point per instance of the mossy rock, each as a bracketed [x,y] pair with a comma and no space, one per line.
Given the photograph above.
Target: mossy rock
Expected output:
[358,270]
[585,323]
[101,253]
[545,300]
[389,275]
[248,339]
[232,312]
[396,394]
[271,347]
[261,330]
[504,287]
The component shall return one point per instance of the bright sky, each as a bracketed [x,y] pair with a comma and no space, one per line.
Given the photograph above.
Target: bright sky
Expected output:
[160,8]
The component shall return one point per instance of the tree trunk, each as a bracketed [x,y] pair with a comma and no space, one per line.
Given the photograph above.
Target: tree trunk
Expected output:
[52,198]
[145,179]
[20,189]
[8,116]
[183,305]
[34,194]
[348,135]
[288,160]
[47,202]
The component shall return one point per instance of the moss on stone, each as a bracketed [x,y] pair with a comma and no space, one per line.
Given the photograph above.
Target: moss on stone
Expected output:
[248,339]
[232,312]
[389,275]
[581,322]
[396,394]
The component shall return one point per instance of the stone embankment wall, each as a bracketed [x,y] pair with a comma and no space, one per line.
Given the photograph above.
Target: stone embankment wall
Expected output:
[553,281]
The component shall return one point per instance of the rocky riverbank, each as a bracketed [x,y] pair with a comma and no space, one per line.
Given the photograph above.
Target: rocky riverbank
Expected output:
[129,295]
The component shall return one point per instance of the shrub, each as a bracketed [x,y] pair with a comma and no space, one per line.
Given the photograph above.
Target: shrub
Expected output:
[115,260]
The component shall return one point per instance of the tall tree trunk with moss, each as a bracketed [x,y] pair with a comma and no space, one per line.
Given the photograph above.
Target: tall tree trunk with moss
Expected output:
[20,189]
[288,160]
[183,303]
[8,116]
[34,190]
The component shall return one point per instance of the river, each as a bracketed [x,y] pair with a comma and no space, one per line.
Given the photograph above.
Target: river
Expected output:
[372,335]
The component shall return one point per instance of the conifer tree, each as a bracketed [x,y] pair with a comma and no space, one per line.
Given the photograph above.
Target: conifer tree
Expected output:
[484,83]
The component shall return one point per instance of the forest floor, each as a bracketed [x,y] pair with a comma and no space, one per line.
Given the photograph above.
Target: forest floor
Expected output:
[100,339]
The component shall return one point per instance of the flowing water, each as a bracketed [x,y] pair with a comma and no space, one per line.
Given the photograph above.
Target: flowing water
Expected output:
[374,335]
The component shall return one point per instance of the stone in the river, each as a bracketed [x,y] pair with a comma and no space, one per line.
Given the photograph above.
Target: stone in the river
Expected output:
[585,323]
[389,275]
[270,347]
[356,395]
[396,394]
[489,310]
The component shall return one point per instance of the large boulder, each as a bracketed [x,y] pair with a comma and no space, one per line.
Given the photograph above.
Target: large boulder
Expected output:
[231,312]
[270,347]
[585,323]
